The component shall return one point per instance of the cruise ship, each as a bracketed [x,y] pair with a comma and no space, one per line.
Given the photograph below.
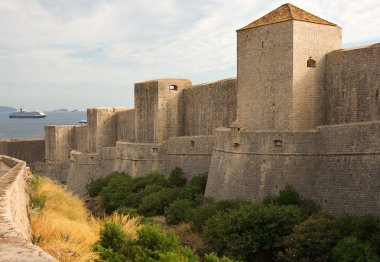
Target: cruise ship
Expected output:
[27,114]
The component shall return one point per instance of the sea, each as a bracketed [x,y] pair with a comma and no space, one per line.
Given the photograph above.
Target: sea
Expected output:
[25,128]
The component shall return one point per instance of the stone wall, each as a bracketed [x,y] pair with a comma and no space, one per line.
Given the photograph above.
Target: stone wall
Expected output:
[59,141]
[349,168]
[30,150]
[191,153]
[138,159]
[158,109]
[126,125]
[102,127]
[252,165]
[353,83]
[311,41]
[265,71]
[15,244]
[84,167]
[209,106]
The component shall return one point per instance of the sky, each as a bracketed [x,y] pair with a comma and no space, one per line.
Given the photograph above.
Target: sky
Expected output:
[78,54]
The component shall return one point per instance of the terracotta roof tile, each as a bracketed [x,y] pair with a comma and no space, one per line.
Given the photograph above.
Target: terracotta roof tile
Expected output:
[284,13]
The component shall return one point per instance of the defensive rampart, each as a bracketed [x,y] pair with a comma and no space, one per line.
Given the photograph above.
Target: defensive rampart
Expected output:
[28,150]
[15,244]
[352,85]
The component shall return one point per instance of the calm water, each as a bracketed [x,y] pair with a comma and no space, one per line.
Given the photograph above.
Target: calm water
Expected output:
[34,127]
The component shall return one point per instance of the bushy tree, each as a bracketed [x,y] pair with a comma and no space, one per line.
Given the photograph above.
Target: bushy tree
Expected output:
[351,249]
[178,211]
[311,240]
[176,178]
[250,232]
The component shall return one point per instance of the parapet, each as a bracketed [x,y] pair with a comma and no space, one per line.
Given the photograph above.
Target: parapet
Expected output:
[15,244]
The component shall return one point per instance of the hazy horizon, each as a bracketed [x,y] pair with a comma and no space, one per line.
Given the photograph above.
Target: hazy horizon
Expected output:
[77,54]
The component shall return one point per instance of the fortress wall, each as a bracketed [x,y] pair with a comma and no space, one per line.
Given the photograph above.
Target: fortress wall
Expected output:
[313,41]
[84,167]
[107,160]
[265,72]
[209,106]
[139,159]
[158,109]
[80,134]
[192,154]
[146,105]
[126,125]
[15,244]
[349,171]
[352,85]
[169,122]
[59,141]
[30,150]
[252,165]
[102,127]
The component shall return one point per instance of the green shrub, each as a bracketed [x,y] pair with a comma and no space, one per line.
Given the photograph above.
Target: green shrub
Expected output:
[199,182]
[115,193]
[178,211]
[289,196]
[94,187]
[366,228]
[212,257]
[351,249]
[210,208]
[176,178]
[251,232]
[311,240]
[34,183]
[38,201]
[155,203]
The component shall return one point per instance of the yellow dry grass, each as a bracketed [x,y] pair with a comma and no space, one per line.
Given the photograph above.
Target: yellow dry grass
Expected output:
[130,225]
[64,227]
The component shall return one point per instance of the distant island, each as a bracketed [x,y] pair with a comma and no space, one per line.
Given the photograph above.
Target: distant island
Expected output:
[7,109]
[61,110]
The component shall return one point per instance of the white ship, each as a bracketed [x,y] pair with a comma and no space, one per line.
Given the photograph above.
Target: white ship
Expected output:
[27,114]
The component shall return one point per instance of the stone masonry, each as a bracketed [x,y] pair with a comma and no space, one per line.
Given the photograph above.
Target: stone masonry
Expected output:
[302,111]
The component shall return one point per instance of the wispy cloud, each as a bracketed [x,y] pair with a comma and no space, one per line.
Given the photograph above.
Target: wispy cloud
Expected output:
[67,50]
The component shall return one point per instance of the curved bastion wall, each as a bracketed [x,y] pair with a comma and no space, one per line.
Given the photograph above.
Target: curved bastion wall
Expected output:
[336,165]
[15,244]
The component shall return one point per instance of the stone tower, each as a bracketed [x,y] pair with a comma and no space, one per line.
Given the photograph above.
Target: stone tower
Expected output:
[281,70]
[158,112]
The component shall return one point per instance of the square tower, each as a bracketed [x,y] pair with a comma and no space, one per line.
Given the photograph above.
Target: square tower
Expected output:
[281,70]
[158,109]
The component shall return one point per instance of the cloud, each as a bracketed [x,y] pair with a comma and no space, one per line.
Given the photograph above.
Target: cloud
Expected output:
[98,49]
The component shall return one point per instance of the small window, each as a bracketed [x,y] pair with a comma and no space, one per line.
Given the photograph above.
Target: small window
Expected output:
[173,87]
[155,150]
[236,144]
[262,44]
[192,143]
[311,62]
[277,143]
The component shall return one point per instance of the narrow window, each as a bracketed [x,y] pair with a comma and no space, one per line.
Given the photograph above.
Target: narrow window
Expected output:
[277,143]
[192,143]
[311,62]
[377,95]
[173,87]
[262,44]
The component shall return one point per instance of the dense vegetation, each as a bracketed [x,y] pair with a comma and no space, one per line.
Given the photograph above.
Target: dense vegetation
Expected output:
[286,227]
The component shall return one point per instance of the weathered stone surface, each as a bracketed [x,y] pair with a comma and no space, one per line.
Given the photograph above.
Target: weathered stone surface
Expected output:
[15,244]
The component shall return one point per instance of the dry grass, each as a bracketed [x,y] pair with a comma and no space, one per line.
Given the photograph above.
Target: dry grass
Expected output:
[63,227]
[130,225]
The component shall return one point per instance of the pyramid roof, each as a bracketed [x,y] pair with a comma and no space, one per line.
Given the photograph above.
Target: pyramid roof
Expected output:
[284,13]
